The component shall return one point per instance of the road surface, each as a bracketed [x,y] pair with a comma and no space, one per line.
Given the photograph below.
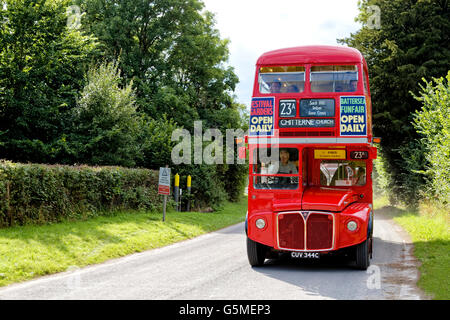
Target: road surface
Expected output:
[215,266]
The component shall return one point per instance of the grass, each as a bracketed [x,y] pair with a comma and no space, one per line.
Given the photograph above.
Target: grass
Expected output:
[30,251]
[430,232]
[429,228]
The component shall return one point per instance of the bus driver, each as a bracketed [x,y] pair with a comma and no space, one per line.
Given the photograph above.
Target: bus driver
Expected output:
[283,166]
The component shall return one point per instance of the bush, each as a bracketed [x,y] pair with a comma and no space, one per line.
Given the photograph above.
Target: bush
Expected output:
[432,122]
[207,187]
[412,182]
[381,177]
[34,193]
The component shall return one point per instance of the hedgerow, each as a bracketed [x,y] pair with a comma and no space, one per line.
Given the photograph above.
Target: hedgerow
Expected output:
[36,193]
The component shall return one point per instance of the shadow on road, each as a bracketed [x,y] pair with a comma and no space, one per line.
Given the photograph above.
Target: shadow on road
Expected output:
[332,277]
[392,274]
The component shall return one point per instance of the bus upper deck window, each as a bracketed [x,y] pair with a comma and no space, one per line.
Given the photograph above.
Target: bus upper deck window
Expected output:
[281,79]
[334,78]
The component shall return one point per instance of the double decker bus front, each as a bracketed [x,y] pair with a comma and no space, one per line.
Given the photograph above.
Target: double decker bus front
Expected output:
[310,152]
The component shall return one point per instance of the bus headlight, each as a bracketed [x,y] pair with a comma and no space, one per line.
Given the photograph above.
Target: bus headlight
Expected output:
[260,223]
[352,225]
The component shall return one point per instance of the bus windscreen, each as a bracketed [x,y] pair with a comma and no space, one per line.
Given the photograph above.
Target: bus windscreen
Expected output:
[342,173]
[275,168]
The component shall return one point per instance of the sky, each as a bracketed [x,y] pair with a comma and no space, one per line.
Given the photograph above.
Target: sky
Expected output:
[257,26]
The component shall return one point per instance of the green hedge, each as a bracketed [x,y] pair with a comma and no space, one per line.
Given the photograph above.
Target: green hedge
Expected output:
[34,193]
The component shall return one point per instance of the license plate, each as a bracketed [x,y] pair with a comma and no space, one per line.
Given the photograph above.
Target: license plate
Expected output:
[305,255]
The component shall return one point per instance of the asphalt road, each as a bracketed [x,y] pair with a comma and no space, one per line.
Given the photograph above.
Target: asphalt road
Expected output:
[215,266]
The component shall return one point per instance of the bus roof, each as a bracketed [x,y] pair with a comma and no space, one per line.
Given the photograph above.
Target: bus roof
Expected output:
[311,54]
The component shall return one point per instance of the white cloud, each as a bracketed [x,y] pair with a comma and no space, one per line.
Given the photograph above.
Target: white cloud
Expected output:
[257,26]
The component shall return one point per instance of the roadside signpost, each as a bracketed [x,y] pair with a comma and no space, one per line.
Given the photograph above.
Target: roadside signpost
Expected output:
[164,186]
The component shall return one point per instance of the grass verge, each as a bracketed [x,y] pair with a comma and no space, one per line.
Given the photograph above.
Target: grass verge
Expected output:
[30,251]
[429,228]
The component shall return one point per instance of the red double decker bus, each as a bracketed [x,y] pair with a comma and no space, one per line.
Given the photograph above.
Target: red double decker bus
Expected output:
[311,149]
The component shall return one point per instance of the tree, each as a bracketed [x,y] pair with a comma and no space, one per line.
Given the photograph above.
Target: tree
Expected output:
[170,50]
[42,63]
[106,125]
[411,42]
[156,143]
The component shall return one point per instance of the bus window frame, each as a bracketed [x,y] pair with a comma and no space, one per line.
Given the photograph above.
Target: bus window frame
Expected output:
[258,77]
[253,175]
[358,77]
[366,85]
[342,160]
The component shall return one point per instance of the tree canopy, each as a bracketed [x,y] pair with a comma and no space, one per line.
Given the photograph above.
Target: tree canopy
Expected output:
[171,51]
[411,42]
[42,67]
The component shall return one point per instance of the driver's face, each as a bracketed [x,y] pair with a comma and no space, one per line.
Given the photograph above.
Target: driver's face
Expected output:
[284,157]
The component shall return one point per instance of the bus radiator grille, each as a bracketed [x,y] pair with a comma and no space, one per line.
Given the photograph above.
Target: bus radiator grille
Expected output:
[291,231]
[319,234]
